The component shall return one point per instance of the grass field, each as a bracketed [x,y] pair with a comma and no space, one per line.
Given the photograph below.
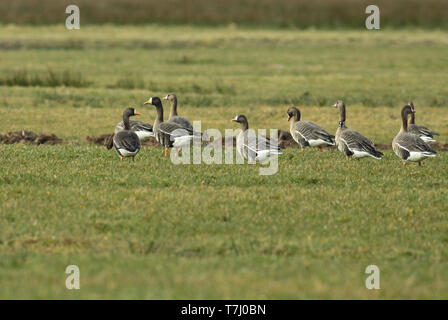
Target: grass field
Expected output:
[150,229]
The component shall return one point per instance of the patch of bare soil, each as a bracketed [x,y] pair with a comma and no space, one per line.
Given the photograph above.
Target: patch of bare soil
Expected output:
[29,137]
[440,146]
[151,142]
[101,140]
[383,146]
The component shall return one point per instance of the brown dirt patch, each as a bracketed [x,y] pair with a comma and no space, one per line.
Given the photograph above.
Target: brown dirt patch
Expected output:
[29,137]
[101,140]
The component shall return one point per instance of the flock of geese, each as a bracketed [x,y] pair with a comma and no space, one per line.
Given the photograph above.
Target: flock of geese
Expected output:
[410,144]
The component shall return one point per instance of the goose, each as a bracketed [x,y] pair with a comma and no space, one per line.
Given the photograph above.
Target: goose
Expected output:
[184,122]
[423,132]
[408,146]
[351,142]
[168,134]
[307,133]
[142,129]
[262,151]
[126,142]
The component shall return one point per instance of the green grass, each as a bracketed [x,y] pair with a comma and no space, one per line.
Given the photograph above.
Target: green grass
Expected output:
[150,229]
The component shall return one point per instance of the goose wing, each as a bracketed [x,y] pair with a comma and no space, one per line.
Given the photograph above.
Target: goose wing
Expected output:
[413,143]
[355,141]
[264,143]
[174,130]
[312,131]
[135,125]
[184,122]
[127,140]
[421,130]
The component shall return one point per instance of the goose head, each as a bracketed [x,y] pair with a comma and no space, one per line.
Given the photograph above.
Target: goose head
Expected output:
[241,119]
[294,113]
[171,97]
[407,110]
[155,101]
[129,112]
[339,104]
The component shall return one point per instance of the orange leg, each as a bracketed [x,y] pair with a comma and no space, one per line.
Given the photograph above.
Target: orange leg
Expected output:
[404,164]
[303,150]
[166,151]
[121,158]
[320,148]
[419,163]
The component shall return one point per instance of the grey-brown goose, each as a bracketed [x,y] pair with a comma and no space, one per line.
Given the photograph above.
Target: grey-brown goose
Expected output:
[168,134]
[307,133]
[423,132]
[408,146]
[260,148]
[143,130]
[126,142]
[351,142]
[174,117]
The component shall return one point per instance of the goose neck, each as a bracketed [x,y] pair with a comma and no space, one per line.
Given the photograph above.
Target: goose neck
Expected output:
[126,123]
[404,121]
[342,114]
[412,121]
[173,110]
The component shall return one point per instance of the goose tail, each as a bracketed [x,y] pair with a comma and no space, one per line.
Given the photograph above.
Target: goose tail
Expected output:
[377,154]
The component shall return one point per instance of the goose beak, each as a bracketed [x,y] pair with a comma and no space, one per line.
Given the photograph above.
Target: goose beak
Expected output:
[149,101]
[289,118]
[137,113]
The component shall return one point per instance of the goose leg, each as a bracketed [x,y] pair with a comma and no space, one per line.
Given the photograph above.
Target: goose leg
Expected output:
[133,158]
[419,163]
[121,158]
[404,164]
[320,148]
[166,151]
[302,150]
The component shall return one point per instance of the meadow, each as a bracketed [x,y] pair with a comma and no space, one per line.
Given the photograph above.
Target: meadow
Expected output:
[150,229]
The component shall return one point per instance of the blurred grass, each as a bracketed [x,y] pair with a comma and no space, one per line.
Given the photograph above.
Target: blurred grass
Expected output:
[24,78]
[278,13]
[235,67]
[150,229]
